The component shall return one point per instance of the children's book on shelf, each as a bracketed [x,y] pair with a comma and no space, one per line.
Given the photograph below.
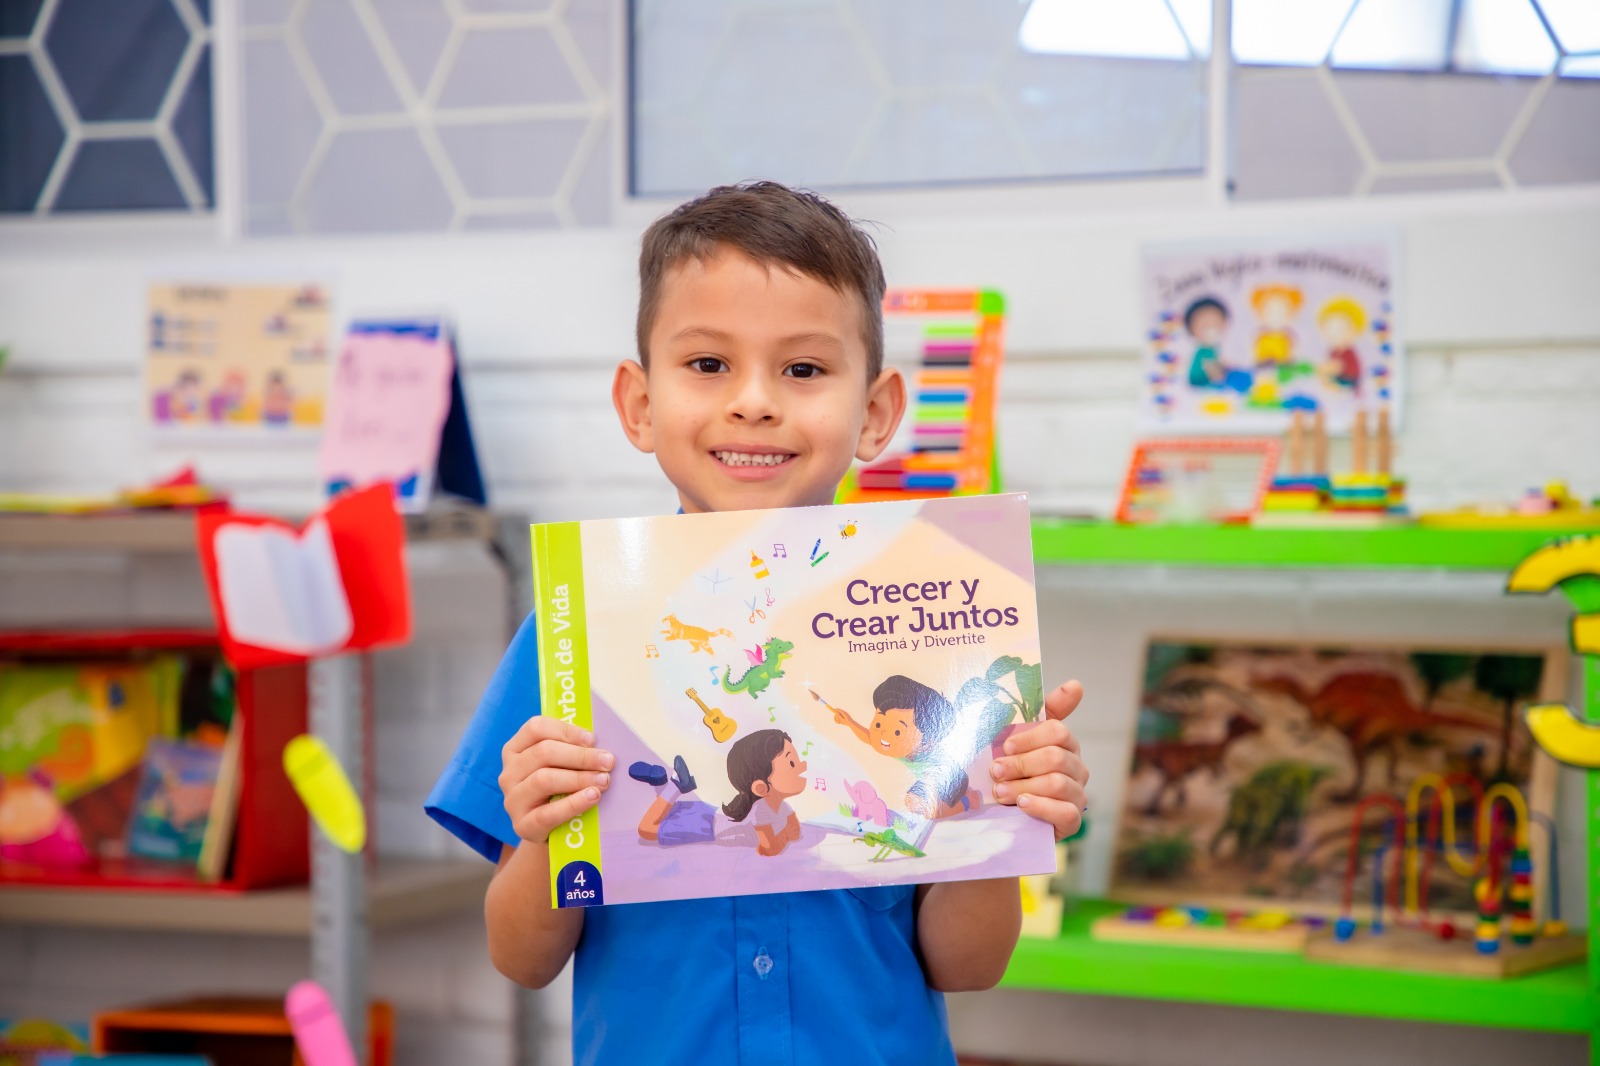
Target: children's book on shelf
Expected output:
[797,699]
[174,802]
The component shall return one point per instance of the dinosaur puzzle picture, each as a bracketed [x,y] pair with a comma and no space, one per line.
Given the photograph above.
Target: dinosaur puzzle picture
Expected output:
[1249,760]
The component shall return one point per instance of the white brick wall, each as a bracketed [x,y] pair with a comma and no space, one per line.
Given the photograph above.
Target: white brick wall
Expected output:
[1504,328]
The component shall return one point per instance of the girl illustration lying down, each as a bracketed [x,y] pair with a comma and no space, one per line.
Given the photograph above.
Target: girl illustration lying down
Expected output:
[765,769]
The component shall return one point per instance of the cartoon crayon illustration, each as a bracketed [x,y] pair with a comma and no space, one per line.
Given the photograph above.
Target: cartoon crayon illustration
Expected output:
[318,1033]
[324,788]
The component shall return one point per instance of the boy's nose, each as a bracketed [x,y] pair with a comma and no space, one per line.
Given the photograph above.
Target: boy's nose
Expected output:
[753,400]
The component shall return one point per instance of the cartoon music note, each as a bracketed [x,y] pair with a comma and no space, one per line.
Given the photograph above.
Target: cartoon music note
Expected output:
[650,652]
[807,750]
[770,600]
[780,552]
[772,714]
[713,670]
[822,785]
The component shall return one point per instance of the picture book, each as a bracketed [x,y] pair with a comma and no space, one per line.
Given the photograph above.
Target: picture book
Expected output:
[174,801]
[797,699]
[71,739]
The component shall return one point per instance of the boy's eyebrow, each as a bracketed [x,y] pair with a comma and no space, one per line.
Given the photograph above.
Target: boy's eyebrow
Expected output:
[710,334]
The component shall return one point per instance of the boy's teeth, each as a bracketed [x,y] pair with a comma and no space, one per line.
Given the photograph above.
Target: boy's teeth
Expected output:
[750,459]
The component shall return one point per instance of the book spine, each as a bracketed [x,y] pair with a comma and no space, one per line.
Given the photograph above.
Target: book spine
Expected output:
[563,642]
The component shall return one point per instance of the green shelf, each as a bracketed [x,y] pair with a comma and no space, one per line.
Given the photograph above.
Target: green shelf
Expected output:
[1555,1000]
[1095,543]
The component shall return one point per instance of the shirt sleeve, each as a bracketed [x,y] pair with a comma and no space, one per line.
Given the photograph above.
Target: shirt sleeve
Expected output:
[466,799]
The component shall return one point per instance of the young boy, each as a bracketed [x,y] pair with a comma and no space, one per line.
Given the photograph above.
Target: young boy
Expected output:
[760,376]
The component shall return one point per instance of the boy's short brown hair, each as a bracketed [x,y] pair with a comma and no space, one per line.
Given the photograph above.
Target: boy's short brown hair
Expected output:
[774,225]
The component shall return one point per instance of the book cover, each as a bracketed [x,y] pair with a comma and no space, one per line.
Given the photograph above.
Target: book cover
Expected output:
[174,801]
[217,841]
[797,699]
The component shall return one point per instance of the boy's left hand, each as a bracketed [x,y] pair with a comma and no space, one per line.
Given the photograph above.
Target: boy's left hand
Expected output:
[1042,770]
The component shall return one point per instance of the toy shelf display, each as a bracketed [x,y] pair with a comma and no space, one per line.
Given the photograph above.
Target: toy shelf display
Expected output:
[1333,963]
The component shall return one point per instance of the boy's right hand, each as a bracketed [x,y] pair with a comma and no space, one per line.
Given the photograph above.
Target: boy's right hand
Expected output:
[548,757]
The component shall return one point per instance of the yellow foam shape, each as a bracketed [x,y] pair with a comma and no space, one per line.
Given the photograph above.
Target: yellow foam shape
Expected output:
[324,788]
[1586,634]
[1565,737]
[1217,407]
[1554,563]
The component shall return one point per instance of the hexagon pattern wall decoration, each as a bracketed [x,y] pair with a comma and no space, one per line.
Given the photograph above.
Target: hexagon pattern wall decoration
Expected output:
[364,116]
[109,105]
[1337,130]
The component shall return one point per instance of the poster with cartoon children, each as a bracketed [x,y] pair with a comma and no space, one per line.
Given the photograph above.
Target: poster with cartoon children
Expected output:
[1240,336]
[236,359]
[800,699]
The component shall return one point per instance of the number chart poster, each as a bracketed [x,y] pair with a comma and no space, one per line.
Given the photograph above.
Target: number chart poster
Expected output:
[232,358]
[1240,337]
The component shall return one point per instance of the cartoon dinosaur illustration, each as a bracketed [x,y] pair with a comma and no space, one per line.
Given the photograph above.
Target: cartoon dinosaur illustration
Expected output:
[1372,711]
[756,679]
[886,842]
[1268,810]
[699,639]
[1175,760]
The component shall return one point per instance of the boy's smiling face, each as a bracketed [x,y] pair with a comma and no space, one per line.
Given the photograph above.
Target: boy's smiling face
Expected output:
[757,393]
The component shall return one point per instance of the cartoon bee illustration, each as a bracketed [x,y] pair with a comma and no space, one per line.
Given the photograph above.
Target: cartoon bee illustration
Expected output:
[847,529]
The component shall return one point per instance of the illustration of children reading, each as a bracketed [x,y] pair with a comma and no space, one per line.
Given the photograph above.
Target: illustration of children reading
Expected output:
[184,399]
[1206,321]
[922,729]
[763,768]
[1341,321]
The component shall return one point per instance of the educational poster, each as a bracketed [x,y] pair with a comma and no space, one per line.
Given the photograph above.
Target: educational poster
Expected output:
[1252,763]
[1240,337]
[797,699]
[230,358]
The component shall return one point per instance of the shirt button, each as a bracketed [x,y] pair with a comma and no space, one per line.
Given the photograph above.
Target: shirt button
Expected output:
[763,965]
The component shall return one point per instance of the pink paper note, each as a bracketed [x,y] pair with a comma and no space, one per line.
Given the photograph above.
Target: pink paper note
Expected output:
[390,397]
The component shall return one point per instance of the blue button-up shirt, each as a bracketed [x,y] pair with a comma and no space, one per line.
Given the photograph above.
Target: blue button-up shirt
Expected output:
[786,979]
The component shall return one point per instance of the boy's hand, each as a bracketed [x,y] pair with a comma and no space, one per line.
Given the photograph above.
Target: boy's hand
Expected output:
[548,757]
[1042,770]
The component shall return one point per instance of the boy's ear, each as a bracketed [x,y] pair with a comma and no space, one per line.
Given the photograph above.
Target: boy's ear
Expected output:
[886,405]
[760,788]
[630,395]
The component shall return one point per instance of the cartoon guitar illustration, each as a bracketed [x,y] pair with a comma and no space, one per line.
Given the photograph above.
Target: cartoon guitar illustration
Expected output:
[722,727]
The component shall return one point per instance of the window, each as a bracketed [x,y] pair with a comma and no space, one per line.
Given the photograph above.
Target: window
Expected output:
[105,105]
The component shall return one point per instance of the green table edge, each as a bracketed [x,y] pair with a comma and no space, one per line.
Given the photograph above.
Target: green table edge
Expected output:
[1556,1000]
[1074,542]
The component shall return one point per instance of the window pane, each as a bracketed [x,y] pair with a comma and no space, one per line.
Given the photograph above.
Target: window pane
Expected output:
[1503,37]
[897,92]
[1277,33]
[1137,29]
[1395,35]
[1576,23]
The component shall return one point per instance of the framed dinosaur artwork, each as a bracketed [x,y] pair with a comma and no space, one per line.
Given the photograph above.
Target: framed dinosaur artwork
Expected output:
[1256,765]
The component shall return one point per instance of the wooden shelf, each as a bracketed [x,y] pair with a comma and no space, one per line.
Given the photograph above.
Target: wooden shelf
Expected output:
[173,531]
[1556,1000]
[400,892]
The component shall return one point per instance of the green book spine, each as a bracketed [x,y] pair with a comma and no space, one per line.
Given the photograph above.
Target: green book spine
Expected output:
[564,693]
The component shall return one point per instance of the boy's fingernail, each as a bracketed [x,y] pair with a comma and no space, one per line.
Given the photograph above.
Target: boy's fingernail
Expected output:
[603,780]
[1001,792]
[1011,747]
[592,795]
[585,737]
[607,760]
[1024,799]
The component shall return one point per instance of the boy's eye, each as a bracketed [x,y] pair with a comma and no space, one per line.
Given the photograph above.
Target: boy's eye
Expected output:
[803,371]
[707,364]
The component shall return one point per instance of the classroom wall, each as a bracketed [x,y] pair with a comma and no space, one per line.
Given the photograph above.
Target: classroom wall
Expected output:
[1503,329]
